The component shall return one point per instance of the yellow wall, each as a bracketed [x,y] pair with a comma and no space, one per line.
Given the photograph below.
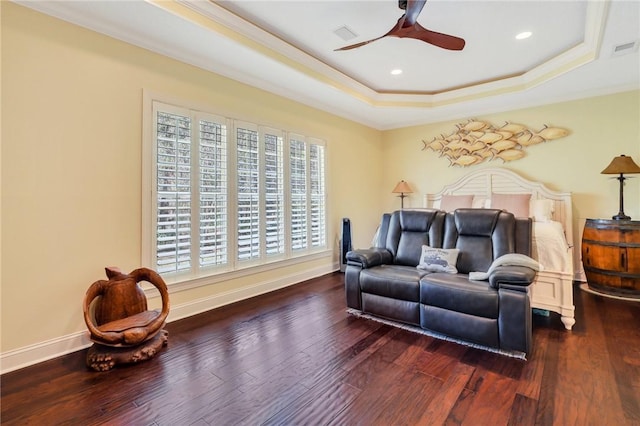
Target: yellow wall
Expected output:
[71,157]
[601,129]
[71,179]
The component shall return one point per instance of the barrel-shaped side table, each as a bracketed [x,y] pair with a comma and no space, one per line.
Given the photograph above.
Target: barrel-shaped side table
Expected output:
[611,256]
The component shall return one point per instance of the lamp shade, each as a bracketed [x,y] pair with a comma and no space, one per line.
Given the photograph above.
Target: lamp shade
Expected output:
[621,164]
[402,188]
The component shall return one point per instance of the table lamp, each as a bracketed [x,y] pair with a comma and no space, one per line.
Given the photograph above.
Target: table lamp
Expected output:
[621,165]
[401,188]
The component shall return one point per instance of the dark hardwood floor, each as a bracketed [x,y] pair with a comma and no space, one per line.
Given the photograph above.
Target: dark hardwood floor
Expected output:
[295,357]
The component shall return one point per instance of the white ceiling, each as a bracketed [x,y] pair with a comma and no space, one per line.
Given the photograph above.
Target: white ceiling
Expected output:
[287,47]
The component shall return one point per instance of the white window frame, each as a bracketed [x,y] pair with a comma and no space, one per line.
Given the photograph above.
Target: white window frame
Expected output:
[233,265]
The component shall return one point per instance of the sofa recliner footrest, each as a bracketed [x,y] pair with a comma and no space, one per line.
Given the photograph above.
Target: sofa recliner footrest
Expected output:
[483,331]
[387,307]
[456,293]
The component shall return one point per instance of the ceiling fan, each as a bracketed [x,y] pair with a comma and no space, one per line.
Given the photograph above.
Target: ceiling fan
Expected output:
[408,27]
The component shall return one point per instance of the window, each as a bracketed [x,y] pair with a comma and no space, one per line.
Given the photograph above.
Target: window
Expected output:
[227,194]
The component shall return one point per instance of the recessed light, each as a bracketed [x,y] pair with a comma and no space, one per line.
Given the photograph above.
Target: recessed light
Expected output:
[396,71]
[523,35]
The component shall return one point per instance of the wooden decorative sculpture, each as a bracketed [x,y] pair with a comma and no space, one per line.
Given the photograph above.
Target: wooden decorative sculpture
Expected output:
[120,325]
[476,141]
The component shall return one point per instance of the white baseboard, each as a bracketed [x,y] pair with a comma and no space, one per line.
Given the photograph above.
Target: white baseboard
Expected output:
[206,304]
[43,351]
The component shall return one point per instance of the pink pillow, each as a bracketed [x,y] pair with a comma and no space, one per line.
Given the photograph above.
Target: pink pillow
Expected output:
[449,203]
[518,204]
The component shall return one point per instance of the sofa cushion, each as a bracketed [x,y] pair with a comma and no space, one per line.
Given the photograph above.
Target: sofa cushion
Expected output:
[457,293]
[409,230]
[481,235]
[395,281]
[410,247]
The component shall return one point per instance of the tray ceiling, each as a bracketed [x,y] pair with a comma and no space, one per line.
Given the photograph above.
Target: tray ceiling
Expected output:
[576,49]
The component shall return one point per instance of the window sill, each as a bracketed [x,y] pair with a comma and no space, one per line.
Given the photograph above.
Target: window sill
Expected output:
[178,284]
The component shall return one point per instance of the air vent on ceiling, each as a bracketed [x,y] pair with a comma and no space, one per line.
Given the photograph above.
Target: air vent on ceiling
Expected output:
[345,33]
[623,49]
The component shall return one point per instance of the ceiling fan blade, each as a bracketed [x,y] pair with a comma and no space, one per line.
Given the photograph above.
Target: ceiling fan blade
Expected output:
[362,43]
[444,41]
[391,32]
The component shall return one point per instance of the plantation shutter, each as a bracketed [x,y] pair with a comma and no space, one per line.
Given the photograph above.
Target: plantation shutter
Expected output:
[317,194]
[212,184]
[298,179]
[274,207]
[173,189]
[248,192]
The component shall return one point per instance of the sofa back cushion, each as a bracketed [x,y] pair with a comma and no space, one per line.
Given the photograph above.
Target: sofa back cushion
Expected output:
[409,230]
[481,235]
[380,238]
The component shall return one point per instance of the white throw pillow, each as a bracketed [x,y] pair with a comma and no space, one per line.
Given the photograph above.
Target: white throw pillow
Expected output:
[480,202]
[542,210]
[439,260]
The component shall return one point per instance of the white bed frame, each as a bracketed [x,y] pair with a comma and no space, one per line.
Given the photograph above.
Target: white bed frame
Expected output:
[552,290]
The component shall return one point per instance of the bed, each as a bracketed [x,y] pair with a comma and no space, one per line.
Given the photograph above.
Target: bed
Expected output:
[553,228]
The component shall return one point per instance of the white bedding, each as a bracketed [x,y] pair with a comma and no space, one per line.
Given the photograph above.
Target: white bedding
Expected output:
[550,247]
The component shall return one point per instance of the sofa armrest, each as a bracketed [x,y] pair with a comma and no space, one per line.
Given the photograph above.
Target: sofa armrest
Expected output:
[514,321]
[512,277]
[367,258]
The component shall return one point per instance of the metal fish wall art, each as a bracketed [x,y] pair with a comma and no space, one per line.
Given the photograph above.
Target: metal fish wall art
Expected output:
[476,141]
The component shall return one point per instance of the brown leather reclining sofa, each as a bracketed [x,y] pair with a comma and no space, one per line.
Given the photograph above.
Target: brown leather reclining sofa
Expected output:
[384,281]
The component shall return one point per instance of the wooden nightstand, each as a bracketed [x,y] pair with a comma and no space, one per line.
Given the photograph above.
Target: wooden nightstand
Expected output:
[611,256]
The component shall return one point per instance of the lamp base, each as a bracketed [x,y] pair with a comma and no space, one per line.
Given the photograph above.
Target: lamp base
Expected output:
[402,196]
[621,216]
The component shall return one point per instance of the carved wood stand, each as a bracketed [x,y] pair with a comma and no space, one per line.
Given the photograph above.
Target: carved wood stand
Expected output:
[104,358]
